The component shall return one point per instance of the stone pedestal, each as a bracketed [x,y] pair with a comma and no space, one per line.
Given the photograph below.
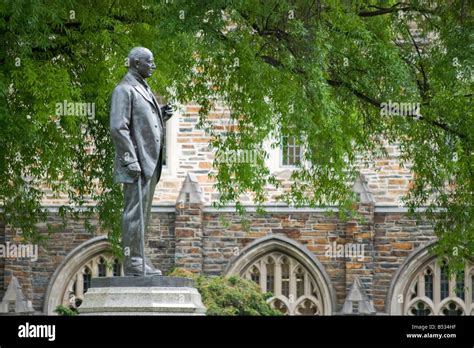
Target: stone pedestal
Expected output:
[154,295]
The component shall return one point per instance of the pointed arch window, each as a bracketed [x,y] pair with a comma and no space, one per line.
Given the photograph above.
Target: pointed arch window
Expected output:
[100,266]
[434,292]
[270,277]
[297,281]
[429,283]
[294,290]
[87,278]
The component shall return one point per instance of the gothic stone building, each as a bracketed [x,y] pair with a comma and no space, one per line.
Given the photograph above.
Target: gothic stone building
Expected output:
[313,263]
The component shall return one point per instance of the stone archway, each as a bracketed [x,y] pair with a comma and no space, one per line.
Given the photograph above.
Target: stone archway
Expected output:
[422,287]
[297,279]
[71,265]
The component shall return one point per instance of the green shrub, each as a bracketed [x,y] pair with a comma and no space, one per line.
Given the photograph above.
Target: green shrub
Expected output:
[66,311]
[229,295]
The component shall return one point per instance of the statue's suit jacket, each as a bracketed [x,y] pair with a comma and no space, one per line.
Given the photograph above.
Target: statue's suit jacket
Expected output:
[136,125]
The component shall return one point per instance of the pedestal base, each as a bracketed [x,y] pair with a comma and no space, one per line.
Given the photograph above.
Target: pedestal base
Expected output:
[157,295]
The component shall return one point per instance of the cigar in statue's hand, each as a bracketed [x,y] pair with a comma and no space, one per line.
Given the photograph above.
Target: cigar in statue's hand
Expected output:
[163,103]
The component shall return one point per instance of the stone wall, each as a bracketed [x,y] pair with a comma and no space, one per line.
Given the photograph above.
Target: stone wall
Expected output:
[203,240]
[315,231]
[189,236]
[396,237]
[34,277]
[188,150]
[388,240]
[161,240]
[388,180]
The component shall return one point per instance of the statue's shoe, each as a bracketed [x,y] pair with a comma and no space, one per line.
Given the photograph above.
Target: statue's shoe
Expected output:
[138,271]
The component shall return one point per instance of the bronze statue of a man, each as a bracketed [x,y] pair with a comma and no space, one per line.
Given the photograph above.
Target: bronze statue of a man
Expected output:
[137,126]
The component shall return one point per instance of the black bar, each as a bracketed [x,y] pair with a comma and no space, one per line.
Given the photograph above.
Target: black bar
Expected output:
[244,331]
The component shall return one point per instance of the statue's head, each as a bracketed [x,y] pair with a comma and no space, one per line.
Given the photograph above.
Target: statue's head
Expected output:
[140,59]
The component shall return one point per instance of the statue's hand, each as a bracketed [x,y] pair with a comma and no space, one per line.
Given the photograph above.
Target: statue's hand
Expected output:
[134,169]
[168,110]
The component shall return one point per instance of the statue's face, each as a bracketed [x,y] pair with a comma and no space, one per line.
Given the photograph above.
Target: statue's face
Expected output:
[145,65]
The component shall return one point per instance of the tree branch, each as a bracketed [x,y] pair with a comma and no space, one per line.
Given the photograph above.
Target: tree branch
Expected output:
[378,104]
[384,10]
[372,101]
[284,36]
[422,70]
